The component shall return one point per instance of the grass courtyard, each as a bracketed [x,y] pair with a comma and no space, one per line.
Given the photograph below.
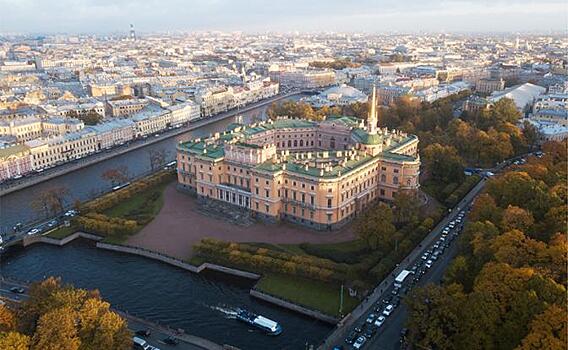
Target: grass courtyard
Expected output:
[313,294]
[141,207]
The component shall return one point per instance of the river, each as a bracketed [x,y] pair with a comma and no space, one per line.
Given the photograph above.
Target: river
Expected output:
[86,183]
[202,305]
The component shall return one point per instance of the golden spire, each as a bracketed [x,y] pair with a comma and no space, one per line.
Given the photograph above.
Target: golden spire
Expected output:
[372,120]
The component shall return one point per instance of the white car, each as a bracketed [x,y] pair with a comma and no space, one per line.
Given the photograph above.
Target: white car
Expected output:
[429,263]
[70,213]
[33,231]
[388,310]
[359,342]
[379,322]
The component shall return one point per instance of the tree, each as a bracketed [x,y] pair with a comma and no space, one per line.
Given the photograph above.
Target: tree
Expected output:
[14,341]
[405,207]
[516,249]
[519,189]
[547,331]
[434,316]
[116,175]
[157,158]
[101,328]
[531,134]
[485,209]
[515,218]
[56,331]
[50,201]
[91,118]
[375,227]
[443,163]
[63,317]
[7,319]
[505,111]
[555,220]
[457,268]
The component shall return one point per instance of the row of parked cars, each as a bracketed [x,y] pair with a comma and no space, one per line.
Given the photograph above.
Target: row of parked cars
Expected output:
[50,224]
[383,309]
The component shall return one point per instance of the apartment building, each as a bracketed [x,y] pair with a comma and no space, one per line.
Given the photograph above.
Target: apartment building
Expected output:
[184,112]
[487,86]
[23,129]
[127,107]
[14,161]
[304,79]
[49,152]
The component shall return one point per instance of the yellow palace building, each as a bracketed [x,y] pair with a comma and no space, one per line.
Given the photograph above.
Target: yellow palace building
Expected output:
[319,174]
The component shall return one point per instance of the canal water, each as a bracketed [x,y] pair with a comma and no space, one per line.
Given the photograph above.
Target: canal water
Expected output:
[86,183]
[202,305]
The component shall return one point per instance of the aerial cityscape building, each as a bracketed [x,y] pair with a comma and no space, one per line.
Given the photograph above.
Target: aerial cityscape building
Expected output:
[324,175]
[320,174]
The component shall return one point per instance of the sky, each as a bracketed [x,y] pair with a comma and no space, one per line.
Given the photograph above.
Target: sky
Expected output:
[372,16]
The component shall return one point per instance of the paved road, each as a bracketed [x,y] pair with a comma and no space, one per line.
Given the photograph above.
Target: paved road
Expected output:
[394,322]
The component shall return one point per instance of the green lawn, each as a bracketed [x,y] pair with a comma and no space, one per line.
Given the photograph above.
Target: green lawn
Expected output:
[146,204]
[62,232]
[315,295]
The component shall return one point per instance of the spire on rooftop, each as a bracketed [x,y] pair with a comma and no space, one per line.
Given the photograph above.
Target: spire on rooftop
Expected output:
[372,120]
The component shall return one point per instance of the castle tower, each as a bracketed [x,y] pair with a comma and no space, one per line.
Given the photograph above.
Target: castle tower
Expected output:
[373,119]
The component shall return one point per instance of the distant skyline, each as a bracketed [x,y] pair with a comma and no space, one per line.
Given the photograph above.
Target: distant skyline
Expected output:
[108,16]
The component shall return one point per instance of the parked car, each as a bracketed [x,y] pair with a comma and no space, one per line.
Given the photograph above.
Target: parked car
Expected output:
[359,342]
[351,337]
[141,344]
[429,263]
[143,332]
[33,231]
[370,332]
[388,310]
[395,302]
[17,290]
[171,341]
[70,213]
[371,318]
[380,320]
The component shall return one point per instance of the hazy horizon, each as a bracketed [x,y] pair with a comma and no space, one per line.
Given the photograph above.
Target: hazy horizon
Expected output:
[106,16]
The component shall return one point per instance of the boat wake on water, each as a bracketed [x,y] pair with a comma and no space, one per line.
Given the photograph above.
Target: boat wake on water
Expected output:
[229,312]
